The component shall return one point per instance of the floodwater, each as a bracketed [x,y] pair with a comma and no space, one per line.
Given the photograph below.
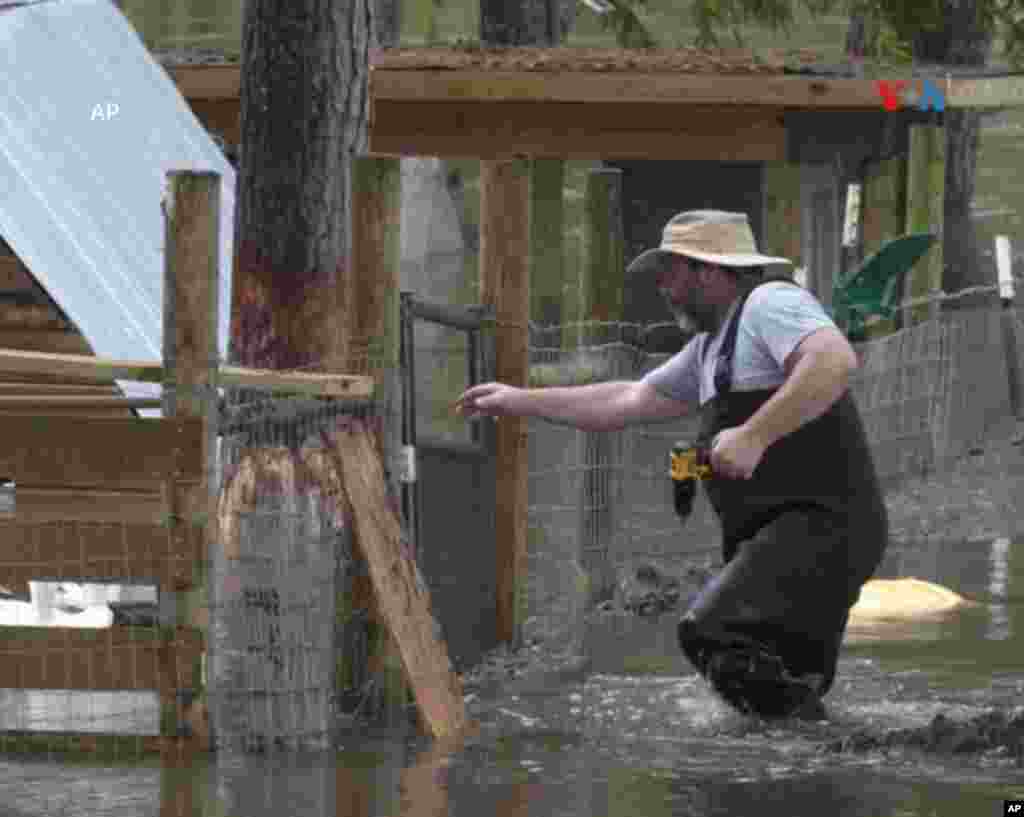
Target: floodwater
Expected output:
[637,734]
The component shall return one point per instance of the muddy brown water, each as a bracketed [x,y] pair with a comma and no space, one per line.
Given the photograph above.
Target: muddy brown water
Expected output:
[638,734]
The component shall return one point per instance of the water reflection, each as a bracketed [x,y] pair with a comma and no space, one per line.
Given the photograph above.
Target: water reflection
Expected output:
[631,738]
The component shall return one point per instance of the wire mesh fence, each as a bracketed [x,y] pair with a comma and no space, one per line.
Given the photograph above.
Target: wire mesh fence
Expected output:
[122,628]
[287,638]
[928,395]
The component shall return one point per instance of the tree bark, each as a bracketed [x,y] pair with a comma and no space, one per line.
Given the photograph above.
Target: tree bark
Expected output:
[529,22]
[389,22]
[962,41]
[304,109]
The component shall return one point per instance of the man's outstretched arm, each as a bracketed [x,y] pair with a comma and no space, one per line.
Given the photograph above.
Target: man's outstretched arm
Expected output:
[595,407]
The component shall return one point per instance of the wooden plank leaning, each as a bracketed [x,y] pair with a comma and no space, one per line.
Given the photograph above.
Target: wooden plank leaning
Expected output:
[147,371]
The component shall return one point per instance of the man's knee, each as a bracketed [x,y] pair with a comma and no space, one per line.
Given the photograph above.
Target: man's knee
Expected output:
[692,644]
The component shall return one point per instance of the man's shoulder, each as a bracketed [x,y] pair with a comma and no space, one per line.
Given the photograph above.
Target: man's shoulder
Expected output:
[779,293]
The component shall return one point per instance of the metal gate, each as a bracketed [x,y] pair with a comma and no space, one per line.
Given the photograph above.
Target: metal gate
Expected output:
[450,498]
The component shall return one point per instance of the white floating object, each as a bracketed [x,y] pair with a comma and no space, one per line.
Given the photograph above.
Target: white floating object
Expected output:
[895,599]
[1004,265]
[15,613]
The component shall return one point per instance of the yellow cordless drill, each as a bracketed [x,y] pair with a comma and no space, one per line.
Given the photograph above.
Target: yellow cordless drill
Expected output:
[688,464]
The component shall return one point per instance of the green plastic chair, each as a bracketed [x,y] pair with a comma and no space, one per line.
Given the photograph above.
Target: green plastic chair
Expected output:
[875,288]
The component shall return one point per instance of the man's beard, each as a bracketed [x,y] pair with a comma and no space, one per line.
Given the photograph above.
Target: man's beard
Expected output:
[693,317]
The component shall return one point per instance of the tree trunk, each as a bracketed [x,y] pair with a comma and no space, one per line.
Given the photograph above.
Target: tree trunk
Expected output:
[529,22]
[304,102]
[389,22]
[961,41]
[963,265]
[304,108]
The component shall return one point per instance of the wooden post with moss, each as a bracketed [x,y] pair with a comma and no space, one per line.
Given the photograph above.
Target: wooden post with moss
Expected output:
[885,212]
[368,342]
[505,287]
[601,456]
[782,211]
[190,357]
[926,192]
[547,246]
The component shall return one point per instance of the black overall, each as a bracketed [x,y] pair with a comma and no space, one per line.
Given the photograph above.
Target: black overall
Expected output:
[799,539]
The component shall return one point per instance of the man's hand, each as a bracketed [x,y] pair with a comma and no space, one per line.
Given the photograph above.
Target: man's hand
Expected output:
[735,453]
[488,400]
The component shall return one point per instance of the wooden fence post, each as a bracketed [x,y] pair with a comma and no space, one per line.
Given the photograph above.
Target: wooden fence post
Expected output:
[782,212]
[1008,320]
[885,212]
[190,358]
[368,342]
[547,246]
[505,286]
[926,195]
[602,455]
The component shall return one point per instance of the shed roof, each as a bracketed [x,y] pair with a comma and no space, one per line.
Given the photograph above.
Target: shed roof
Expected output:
[574,102]
[86,141]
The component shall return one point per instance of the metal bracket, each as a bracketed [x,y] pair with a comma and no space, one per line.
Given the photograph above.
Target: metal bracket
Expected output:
[407,464]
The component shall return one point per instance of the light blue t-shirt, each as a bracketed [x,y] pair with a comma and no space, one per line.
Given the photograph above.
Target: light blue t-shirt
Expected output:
[777,316]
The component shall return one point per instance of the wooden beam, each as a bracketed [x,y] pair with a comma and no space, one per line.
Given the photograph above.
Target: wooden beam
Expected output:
[58,341]
[207,81]
[505,286]
[109,453]
[771,91]
[368,340]
[575,130]
[13,275]
[201,84]
[224,116]
[145,371]
[38,505]
[80,551]
[323,385]
[401,594]
[52,402]
[115,658]
[43,390]
[23,315]
[987,92]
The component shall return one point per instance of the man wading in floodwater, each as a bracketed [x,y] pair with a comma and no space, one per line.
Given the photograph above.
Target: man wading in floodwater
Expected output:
[792,481]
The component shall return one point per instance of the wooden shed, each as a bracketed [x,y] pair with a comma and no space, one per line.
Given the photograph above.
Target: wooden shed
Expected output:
[81,232]
[776,135]
[32,322]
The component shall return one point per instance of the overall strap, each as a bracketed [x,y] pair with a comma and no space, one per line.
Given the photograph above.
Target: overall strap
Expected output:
[723,366]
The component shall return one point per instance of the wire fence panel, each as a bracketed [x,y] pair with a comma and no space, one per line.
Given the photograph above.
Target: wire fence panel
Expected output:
[927,394]
[281,611]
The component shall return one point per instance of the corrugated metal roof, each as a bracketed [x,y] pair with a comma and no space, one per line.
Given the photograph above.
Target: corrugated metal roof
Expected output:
[89,126]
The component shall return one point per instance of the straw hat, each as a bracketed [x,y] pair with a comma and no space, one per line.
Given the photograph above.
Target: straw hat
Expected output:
[714,236]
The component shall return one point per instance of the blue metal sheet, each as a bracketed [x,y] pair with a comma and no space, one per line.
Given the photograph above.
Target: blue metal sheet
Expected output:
[90,124]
